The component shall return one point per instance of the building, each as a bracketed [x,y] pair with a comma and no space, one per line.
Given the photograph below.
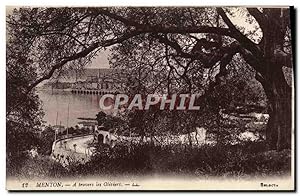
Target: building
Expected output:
[89,81]
[59,129]
[97,81]
[103,136]
[88,125]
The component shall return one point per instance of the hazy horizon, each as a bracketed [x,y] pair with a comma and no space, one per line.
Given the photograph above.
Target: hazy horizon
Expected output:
[100,61]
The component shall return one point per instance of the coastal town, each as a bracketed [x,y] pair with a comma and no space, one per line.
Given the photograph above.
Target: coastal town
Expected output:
[89,81]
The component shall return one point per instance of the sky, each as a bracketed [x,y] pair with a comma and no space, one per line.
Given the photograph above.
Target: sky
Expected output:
[101,61]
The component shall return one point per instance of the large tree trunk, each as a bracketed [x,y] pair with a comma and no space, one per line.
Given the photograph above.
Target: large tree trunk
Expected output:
[278,91]
[279,126]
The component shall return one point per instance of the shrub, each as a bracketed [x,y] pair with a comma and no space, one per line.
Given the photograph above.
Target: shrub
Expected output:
[242,160]
[40,167]
[220,160]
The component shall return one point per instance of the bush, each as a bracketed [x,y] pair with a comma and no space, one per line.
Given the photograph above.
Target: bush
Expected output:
[240,160]
[40,167]
[46,140]
[219,160]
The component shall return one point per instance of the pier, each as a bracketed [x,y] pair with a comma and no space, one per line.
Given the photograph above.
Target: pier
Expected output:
[93,92]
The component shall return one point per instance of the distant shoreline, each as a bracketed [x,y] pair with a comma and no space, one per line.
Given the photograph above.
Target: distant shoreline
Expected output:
[54,89]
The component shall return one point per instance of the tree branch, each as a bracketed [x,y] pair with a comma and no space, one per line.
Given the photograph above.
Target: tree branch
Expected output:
[64,34]
[244,41]
[164,29]
[82,54]
[232,31]
[259,17]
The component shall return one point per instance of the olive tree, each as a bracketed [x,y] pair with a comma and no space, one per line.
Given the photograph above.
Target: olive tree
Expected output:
[68,38]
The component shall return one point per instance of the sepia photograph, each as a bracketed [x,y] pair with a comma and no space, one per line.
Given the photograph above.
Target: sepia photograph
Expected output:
[153,98]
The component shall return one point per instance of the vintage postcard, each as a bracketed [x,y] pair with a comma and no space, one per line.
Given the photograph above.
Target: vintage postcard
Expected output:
[150,98]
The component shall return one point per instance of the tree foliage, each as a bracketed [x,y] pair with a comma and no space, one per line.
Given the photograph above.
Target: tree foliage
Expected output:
[176,46]
[23,112]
